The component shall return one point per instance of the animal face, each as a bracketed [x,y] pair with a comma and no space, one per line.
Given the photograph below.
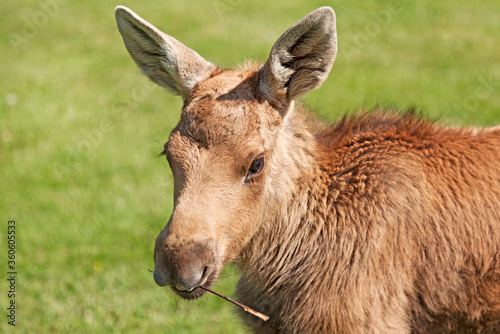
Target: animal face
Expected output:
[232,153]
[218,154]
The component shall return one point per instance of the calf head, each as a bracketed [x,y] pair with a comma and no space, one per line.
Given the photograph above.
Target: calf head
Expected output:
[228,153]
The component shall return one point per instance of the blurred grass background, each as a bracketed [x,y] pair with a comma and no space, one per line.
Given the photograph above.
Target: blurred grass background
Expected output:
[80,128]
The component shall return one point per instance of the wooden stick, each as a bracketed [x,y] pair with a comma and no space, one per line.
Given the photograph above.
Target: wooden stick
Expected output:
[244,307]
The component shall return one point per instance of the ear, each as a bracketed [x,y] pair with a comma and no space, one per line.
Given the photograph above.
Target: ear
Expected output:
[301,59]
[163,59]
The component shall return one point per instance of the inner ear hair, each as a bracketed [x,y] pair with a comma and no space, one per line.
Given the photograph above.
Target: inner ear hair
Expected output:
[301,59]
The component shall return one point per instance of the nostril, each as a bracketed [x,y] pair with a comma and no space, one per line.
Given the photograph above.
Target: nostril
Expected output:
[205,271]
[205,274]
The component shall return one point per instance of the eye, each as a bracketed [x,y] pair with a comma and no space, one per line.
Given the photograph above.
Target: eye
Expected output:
[255,168]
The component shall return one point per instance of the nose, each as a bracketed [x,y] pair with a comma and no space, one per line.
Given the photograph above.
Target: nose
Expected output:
[185,264]
[185,277]
[160,277]
[193,275]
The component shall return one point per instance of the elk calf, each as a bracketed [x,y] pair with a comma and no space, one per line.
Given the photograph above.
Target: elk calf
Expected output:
[380,223]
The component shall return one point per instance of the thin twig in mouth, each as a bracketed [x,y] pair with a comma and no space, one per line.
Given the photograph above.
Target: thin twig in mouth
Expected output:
[244,307]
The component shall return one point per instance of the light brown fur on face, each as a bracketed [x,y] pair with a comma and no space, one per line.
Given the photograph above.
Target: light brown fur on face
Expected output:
[379,223]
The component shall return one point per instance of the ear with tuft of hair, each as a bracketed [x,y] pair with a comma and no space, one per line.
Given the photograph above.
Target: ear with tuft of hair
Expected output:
[162,58]
[301,59]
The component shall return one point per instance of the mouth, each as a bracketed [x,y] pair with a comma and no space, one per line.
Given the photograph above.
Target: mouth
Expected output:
[188,295]
[197,292]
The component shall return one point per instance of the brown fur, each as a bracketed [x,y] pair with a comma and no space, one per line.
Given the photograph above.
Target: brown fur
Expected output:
[379,223]
[395,230]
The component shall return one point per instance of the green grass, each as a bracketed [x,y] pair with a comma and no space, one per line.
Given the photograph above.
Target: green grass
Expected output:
[80,128]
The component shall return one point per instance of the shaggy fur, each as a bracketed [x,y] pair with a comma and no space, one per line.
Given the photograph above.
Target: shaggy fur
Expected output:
[380,223]
[393,229]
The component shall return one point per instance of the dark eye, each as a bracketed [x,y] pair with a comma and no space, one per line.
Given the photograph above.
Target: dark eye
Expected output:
[255,168]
